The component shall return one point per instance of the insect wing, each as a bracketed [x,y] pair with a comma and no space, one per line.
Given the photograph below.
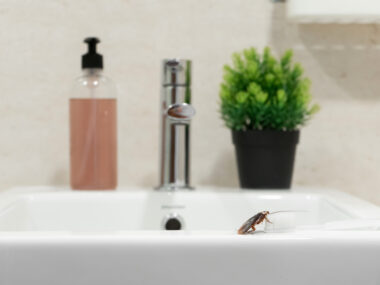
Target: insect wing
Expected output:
[247,225]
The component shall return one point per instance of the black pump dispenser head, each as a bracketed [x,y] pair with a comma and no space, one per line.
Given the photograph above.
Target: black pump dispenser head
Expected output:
[92,59]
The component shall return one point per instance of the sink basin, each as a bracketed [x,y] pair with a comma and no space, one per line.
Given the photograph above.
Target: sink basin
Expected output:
[57,236]
[146,211]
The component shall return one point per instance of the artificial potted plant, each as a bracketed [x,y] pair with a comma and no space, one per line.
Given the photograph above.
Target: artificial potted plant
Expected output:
[265,101]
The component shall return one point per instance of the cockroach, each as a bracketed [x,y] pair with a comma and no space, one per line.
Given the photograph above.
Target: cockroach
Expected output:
[257,219]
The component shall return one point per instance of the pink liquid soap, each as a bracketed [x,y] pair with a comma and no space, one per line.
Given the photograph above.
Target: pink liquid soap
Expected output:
[93,144]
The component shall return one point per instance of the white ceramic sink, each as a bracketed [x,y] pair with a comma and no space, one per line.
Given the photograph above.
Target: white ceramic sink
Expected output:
[62,237]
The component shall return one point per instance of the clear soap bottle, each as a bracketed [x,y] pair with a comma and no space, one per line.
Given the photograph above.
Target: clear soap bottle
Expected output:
[93,126]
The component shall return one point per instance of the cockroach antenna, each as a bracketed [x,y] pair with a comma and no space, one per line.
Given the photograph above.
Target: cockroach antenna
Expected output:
[289,211]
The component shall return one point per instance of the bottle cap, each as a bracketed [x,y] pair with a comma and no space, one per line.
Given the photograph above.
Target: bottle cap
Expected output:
[92,59]
[176,72]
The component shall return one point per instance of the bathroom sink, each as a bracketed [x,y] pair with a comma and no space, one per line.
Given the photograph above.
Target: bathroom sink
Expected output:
[57,236]
[147,210]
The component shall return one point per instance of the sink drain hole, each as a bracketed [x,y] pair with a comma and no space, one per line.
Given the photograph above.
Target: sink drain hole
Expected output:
[173,224]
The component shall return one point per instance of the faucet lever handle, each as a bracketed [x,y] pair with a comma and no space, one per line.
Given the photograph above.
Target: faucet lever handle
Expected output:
[180,112]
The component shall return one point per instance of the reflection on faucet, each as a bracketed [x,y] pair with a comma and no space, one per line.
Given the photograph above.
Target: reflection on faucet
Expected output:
[176,113]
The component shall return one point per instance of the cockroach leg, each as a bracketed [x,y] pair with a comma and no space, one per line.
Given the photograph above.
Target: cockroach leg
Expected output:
[266,218]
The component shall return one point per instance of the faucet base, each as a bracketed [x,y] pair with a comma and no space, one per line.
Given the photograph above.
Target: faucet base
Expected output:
[173,187]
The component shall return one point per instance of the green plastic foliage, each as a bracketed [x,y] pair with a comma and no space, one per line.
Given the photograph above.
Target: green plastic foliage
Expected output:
[261,93]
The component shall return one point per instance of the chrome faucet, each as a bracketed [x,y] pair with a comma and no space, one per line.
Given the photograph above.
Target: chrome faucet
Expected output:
[176,113]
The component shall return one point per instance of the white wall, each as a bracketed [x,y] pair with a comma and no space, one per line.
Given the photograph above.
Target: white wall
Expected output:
[40,48]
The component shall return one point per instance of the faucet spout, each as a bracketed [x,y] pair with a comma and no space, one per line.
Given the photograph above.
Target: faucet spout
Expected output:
[176,113]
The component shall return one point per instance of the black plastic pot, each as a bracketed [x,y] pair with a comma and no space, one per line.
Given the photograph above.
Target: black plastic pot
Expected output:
[265,158]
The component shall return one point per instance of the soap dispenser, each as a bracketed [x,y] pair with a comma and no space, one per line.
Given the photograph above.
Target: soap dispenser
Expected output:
[93,129]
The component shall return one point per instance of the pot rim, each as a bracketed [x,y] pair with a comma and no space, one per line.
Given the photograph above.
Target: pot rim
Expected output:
[265,137]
